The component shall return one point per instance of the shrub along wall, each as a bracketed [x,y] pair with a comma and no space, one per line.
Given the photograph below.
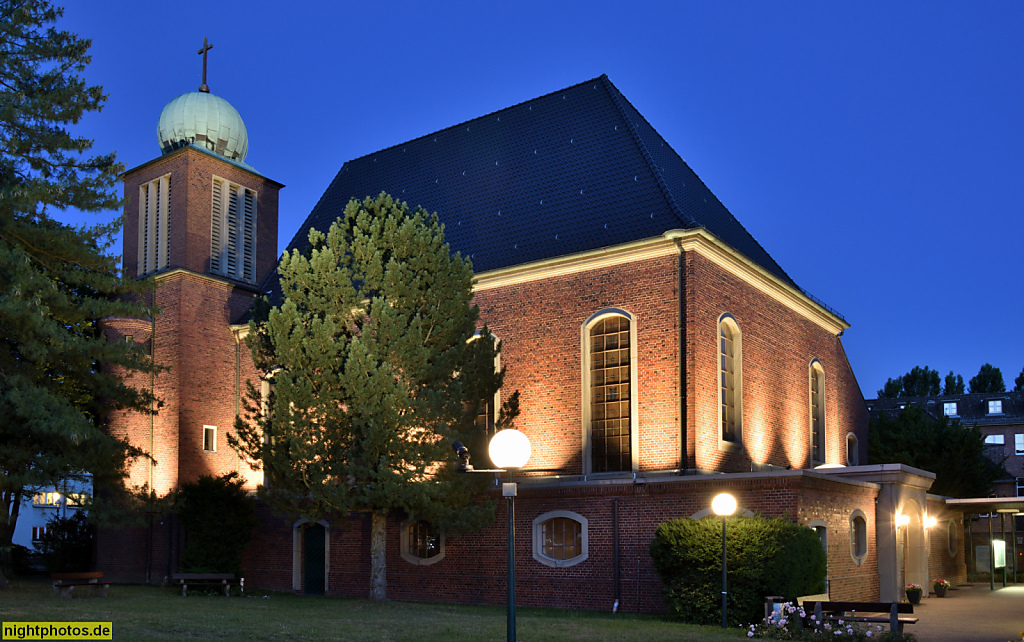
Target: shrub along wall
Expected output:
[765,557]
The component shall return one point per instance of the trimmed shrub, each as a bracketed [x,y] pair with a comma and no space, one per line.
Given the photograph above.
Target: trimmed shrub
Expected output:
[219,519]
[66,546]
[765,557]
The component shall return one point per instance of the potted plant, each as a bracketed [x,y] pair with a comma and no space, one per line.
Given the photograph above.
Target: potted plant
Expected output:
[913,593]
[941,586]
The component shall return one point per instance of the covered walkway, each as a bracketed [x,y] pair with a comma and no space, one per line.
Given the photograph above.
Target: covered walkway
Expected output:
[972,613]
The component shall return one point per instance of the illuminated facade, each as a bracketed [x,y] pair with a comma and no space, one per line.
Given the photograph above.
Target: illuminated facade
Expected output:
[662,356]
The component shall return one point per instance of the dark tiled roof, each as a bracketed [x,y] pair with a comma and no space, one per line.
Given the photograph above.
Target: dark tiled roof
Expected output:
[575,170]
[972,408]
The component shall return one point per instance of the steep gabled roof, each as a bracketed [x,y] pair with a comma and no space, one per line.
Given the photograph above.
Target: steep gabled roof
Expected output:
[575,170]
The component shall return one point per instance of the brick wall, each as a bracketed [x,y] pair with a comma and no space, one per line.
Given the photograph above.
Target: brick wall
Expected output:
[778,346]
[539,324]
[473,570]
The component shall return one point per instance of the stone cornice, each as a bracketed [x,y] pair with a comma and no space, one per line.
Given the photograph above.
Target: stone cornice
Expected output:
[696,240]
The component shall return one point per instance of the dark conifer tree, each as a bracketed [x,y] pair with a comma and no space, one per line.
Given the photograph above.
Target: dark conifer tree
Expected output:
[375,374]
[58,374]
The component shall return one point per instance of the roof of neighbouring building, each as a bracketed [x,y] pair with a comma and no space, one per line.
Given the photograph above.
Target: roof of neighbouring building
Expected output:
[971,408]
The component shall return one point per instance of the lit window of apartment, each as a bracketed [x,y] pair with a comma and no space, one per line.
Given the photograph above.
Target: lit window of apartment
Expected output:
[1018,444]
[995,407]
[949,408]
[49,498]
[995,440]
[77,500]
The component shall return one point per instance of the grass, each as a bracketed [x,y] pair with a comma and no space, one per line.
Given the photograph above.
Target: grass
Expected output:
[152,613]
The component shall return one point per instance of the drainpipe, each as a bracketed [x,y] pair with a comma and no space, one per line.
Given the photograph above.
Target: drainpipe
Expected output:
[615,548]
[238,385]
[681,294]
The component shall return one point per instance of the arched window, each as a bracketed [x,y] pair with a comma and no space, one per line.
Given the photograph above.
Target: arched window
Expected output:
[817,406]
[560,538]
[609,385]
[730,389]
[858,537]
[421,543]
[852,450]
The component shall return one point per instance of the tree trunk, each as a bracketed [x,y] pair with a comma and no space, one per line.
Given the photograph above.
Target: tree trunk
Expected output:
[378,556]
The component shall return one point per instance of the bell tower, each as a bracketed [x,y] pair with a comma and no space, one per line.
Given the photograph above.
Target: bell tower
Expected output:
[203,224]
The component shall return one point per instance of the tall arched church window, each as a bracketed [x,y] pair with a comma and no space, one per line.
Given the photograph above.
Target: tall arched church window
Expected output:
[233,231]
[730,388]
[817,413]
[610,390]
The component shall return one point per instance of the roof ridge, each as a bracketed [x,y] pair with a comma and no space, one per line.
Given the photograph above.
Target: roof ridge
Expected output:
[670,195]
[481,117]
[617,98]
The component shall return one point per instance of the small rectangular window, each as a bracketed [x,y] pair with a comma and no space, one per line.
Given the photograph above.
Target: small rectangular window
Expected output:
[210,439]
[38,532]
[995,407]
[1018,444]
[949,409]
[995,440]
[1020,487]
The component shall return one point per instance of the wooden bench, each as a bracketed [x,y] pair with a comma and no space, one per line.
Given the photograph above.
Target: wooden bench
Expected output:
[222,580]
[879,612]
[65,583]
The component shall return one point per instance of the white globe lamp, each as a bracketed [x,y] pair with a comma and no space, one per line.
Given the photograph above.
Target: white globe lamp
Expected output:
[723,504]
[509,449]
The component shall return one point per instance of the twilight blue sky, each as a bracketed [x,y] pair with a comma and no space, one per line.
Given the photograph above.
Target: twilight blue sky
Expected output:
[875,149]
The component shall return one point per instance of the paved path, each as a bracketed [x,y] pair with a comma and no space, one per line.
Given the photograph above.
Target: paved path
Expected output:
[972,613]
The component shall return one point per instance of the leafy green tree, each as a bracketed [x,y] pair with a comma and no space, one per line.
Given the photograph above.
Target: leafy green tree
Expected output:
[1018,383]
[375,374]
[954,384]
[58,374]
[219,519]
[919,382]
[951,450]
[988,379]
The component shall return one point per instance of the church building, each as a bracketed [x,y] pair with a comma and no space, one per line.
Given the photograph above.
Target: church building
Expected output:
[662,357]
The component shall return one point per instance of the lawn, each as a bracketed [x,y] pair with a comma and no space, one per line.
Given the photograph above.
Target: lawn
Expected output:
[151,613]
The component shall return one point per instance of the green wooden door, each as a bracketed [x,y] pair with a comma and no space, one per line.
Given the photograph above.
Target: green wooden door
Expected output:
[314,560]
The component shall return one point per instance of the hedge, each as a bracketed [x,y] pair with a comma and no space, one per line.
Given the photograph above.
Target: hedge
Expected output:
[765,557]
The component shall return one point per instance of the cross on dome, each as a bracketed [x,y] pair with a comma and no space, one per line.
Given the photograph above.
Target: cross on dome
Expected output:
[202,52]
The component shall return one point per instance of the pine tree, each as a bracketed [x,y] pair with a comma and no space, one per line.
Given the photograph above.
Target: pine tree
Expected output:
[375,375]
[951,450]
[954,384]
[988,379]
[58,374]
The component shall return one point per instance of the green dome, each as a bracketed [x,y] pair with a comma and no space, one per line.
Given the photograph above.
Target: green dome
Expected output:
[205,120]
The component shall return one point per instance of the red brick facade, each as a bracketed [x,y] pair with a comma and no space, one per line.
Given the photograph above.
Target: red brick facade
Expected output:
[674,296]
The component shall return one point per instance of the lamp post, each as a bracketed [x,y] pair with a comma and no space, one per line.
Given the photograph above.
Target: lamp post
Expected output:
[724,504]
[510,449]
